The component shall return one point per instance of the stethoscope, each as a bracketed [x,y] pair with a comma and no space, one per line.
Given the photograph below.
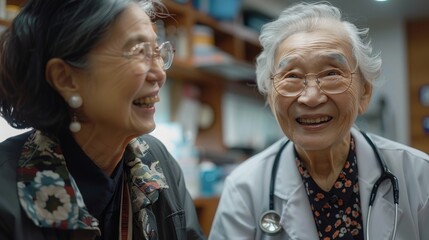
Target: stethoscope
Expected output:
[269,221]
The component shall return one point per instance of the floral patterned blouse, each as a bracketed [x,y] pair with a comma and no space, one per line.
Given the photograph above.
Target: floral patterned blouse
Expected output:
[337,213]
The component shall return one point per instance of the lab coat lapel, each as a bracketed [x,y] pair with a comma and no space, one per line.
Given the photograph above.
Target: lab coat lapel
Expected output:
[296,216]
[383,210]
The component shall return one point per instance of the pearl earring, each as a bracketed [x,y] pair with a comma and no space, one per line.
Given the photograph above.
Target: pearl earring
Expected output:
[75,124]
[74,102]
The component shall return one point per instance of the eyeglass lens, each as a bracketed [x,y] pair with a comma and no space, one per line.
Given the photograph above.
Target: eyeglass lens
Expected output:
[165,55]
[328,83]
[162,55]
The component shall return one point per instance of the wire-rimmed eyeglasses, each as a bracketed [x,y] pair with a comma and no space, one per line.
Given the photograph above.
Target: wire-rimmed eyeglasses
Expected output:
[163,54]
[331,81]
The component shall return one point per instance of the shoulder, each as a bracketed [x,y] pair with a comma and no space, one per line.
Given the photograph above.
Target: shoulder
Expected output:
[409,164]
[152,141]
[256,165]
[10,149]
[10,211]
[160,153]
[412,163]
[390,149]
[156,147]
[395,147]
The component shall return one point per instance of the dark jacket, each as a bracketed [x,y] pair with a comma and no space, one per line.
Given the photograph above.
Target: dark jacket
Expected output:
[174,209]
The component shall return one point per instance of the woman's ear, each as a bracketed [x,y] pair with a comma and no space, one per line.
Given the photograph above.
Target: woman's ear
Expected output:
[365,97]
[59,76]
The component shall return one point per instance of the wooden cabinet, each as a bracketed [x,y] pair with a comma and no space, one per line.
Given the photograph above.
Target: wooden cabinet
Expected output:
[206,209]
[232,38]
[235,40]
[418,58]
[4,22]
[15,2]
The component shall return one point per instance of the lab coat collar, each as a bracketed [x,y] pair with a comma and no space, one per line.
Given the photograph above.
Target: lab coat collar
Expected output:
[296,215]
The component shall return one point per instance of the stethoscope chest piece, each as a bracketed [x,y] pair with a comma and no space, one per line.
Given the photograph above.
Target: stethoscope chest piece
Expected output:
[270,222]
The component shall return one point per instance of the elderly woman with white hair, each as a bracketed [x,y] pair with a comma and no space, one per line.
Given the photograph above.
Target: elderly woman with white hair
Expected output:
[326,179]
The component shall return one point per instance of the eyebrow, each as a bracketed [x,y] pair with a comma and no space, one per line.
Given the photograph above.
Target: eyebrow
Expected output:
[338,57]
[284,61]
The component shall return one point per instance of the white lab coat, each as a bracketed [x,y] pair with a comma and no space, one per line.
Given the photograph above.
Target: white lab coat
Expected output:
[246,194]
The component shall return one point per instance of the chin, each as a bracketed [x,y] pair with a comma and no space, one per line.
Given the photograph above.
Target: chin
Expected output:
[312,143]
[148,128]
[142,129]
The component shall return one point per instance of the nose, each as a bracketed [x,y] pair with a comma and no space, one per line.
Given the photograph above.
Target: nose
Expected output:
[312,95]
[156,73]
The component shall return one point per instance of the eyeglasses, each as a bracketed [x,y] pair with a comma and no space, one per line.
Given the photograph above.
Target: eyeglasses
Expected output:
[331,81]
[162,55]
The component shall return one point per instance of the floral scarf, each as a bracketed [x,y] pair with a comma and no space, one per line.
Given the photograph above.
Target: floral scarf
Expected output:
[50,197]
[144,178]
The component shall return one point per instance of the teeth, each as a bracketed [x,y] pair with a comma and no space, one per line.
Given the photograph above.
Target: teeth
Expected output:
[147,100]
[313,120]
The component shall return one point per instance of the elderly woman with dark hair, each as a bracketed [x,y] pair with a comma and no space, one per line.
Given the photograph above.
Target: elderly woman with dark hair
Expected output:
[326,179]
[85,76]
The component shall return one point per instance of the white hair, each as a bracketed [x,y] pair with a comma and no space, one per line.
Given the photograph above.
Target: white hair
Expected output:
[153,8]
[304,17]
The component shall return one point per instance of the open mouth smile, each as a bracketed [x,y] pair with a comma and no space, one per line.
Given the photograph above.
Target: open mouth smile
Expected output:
[146,102]
[313,121]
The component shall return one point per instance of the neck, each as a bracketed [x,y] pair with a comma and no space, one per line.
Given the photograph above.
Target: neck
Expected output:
[325,165]
[105,151]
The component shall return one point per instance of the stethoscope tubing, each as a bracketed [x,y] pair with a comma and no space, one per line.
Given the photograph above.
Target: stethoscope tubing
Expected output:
[274,173]
[385,174]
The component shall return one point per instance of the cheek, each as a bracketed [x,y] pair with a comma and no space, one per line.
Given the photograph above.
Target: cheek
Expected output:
[114,69]
[139,68]
[126,77]
[113,86]
[280,107]
[354,98]
[348,107]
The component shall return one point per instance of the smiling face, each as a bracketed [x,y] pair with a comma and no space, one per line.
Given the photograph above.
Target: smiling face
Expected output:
[314,120]
[119,93]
